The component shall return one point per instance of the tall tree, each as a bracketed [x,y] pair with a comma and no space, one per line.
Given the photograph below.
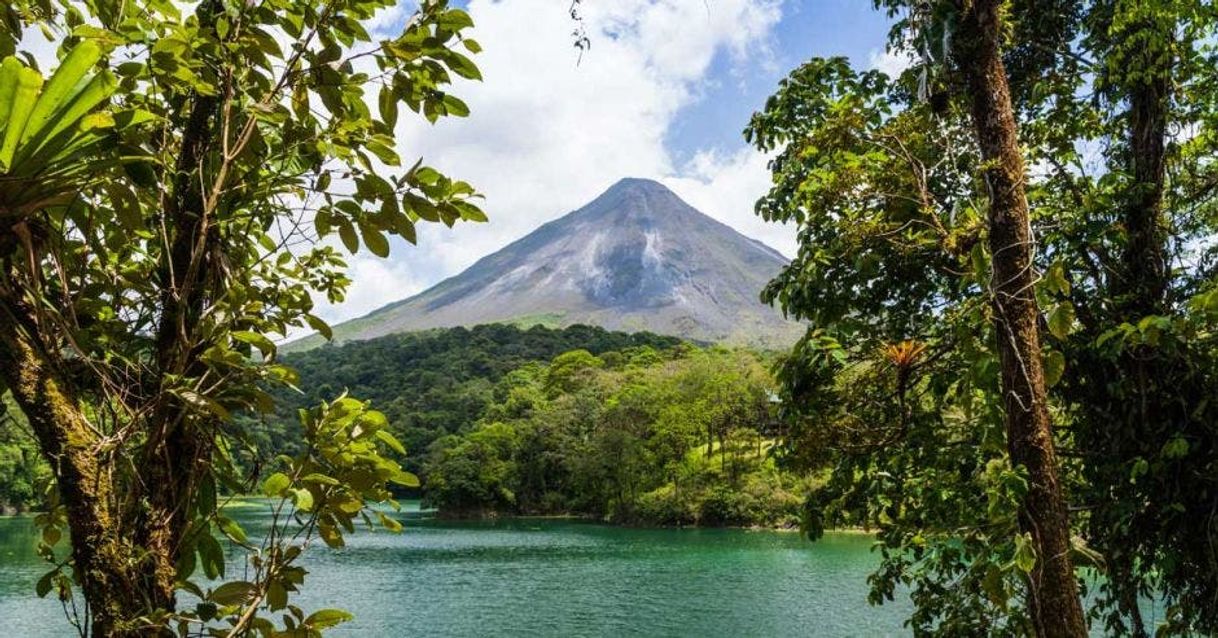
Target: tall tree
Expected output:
[879,176]
[1141,365]
[1053,599]
[165,199]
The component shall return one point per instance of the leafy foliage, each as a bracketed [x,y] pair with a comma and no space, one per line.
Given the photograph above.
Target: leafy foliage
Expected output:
[429,384]
[886,185]
[170,203]
[24,474]
[663,437]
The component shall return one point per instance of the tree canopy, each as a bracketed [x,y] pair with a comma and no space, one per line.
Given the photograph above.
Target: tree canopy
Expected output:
[172,194]
[893,192]
[674,436]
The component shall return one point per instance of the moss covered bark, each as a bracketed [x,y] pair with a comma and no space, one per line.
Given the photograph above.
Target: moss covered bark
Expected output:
[1053,600]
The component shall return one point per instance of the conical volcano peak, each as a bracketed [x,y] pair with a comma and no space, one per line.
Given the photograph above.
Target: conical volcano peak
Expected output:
[639,185]
[635,258]
[637,200]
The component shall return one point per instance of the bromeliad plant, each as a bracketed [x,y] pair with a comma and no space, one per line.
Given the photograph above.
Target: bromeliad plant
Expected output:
[52,136]
[168,203]
[1111,107]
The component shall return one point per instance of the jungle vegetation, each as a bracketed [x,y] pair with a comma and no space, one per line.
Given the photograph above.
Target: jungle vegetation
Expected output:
[428,384]
[166,190]
[1007,266]
[679,436]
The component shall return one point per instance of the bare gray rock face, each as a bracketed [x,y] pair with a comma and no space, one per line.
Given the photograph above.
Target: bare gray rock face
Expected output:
[635,258]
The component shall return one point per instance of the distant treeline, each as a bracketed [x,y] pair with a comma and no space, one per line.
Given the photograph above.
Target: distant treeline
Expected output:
[496,419]
[432,383]
[680,436]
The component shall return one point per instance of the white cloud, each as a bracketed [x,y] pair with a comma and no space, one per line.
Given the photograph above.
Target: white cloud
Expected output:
[726,187]
[547,135]
[890,63]
[373,277]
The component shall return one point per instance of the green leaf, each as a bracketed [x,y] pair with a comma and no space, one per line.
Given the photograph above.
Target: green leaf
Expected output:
[24,94]
[211,555]
[391,441]
[275,484]
[454,106]
[1055,365]
[1025,554]
[387,102]
[276,596]
[43,587]
[1056,280]
[384,153]
[1061,320]
[405,479]
[231,529]
[234,593]
[319,478]
[303,499]
[346,232]
[324,618]
[389,522]
[318,324]
[405,228]
[454,20]
[375,240]
[1176,448]
[264,345]
[59,89]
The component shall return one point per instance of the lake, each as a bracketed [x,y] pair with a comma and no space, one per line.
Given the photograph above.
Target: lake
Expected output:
[549,577]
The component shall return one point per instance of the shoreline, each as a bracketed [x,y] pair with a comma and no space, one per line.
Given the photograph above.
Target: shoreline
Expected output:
[437,515]
[490,516]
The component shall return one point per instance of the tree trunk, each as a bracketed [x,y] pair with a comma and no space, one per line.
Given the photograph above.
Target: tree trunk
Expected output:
[1140,290]
[176,447]
[103,564]
[1053,599]
[1143,282]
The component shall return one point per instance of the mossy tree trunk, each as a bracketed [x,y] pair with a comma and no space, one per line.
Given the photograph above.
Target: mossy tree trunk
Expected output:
[104,562]
[1053,598]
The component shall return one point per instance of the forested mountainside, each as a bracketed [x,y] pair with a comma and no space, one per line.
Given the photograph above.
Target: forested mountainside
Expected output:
[681,436]
[496,419]
[431,383]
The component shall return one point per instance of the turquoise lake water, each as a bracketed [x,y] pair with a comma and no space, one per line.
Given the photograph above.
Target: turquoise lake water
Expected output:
[529,577]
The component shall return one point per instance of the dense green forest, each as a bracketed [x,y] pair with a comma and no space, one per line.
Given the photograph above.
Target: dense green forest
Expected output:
[669,437]
[23,472]
[428,384]
[635,428]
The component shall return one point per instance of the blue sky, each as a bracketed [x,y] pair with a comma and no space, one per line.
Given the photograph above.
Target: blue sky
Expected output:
[664,93]
[807,29]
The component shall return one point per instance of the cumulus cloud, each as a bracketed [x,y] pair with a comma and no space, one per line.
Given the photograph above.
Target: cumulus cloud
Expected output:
[889,62]
[726,187]
[550,130]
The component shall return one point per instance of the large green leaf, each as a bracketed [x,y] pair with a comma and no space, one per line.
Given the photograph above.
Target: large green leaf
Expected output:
[51,133]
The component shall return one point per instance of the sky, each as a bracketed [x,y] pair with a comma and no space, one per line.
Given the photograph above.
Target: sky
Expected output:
[664,92]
